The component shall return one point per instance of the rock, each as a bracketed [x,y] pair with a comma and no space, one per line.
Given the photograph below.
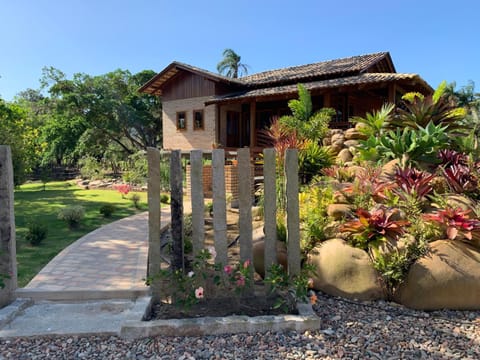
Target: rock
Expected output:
[360,127]
[335,149]
[352,134]
[344,156]
[258,256]
[327,141]
[338,137]
[340,198]
[447,278]
[388,170]
[350,143]
[342,270]
[339,211]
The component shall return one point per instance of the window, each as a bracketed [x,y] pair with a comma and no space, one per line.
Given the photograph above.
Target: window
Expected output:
[181,121]
[197,119]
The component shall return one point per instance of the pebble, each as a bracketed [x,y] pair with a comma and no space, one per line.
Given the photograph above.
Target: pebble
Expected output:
[349,329]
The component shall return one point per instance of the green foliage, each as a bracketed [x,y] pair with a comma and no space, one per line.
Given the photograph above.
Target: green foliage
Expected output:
[312,159]
[36,233]
[137,169]
[72,215]
[91,168]
[409,145]
[230,65]
[164,198]
[107,210]
[394,266]
[375,123]
[135,198]
[289,289]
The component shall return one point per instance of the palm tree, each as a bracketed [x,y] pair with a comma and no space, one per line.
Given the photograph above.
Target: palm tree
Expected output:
[231,65]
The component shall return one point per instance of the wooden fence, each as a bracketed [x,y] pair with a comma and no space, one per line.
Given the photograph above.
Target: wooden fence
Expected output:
[245,201]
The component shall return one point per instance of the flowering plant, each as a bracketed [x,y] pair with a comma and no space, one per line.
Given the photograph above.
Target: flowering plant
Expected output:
[123,189]
[454,221]
[205,280]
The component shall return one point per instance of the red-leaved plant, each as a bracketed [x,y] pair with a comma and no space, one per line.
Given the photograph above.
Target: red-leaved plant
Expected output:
[460,178]
[368,181]
[412,182]
[450,157]
[454,221]
[371,228]
[123,189]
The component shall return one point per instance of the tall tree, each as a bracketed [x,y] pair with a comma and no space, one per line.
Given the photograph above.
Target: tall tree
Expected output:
[230,65]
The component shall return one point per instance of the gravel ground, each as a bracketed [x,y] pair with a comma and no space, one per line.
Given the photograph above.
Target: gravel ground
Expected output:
[352,330]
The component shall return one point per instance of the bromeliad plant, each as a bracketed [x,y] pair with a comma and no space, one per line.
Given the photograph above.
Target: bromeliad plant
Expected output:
[455,222]
[372,228]
[413,183]
[205,280]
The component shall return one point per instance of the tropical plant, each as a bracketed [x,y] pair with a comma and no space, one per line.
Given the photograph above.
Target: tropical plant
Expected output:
[312,158]
[419,111]
[454,222]
[371,228]
[230,65]
[375,123]
[450,157]
[412,183]
[461,179]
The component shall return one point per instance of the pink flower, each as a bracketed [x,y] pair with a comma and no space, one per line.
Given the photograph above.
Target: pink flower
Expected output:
[212,252]
[199,293]
[241,281]
[246,264]
[228,269]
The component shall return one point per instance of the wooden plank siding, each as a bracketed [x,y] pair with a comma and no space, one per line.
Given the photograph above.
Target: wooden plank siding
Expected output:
[187,85]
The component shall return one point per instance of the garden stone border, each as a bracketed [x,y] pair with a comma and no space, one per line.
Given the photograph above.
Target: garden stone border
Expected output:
[306,320]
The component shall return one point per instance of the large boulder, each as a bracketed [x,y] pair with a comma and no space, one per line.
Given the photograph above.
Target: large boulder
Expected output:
[259,255]
[344,156]
[342,270]
[339,211]
[353,134]
[447,278]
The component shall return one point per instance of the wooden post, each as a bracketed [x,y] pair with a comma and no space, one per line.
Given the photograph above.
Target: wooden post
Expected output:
[176,205]
[219,206]
[8,250]
[293,216]
[270,208]
[245,205]
[154,217]
[198,202]
[253,129]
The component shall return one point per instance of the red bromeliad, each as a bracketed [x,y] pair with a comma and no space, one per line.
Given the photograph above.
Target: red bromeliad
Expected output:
[455,221]
[413,182]
[374,226]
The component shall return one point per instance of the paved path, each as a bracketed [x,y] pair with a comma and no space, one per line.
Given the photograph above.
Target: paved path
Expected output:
[113,257]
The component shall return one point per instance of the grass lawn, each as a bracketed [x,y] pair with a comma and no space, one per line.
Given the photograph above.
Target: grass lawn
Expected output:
[32,203]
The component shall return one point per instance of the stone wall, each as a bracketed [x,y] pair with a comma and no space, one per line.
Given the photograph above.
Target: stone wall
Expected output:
[343,143]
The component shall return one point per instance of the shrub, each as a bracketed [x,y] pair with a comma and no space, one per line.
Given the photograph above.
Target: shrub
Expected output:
[72,215]
[90,168]
[164,199]
[136,200]
[36,233]
[107,210]
[137,171]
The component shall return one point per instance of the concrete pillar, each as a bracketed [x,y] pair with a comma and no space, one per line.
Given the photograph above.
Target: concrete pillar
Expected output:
[154,217]
[245,182]
[270,208]
[176,205]
[219,206]
[8,253]
[293,216]
[198,202]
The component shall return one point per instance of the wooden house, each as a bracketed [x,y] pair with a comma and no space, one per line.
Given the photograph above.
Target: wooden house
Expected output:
[202,109]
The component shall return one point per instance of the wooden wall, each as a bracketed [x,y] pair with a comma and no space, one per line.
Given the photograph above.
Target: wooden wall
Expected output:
[186,85]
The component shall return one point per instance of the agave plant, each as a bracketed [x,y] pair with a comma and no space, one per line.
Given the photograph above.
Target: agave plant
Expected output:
[412,183]
[454,221]
[371,228]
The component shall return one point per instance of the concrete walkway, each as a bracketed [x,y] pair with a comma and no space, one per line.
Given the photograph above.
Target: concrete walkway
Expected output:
[109,262]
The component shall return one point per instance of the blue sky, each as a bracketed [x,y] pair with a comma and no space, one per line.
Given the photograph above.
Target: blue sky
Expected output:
[436,39]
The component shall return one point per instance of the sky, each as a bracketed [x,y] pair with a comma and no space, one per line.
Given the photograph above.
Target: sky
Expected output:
[439,40]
